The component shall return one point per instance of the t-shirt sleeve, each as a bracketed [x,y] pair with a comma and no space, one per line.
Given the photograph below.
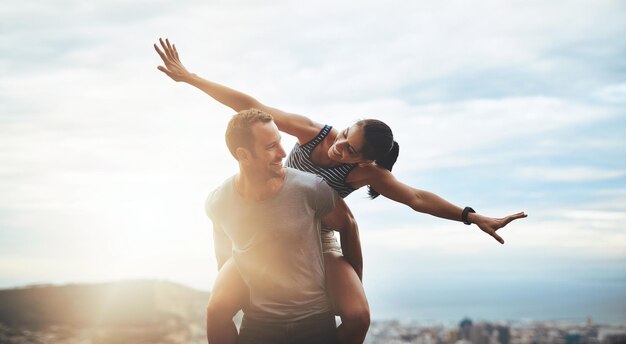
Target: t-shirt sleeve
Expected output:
[208,204]
[221,242]
[325,198]
[222,245]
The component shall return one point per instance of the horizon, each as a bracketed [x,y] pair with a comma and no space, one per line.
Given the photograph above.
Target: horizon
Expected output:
[429,314]
[105,163]
[432,320]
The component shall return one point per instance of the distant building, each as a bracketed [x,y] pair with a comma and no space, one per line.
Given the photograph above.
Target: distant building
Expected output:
[615,339]
[498,334]
[453,336]
[465,327]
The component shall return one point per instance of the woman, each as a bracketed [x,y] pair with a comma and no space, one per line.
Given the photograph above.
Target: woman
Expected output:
[360,155]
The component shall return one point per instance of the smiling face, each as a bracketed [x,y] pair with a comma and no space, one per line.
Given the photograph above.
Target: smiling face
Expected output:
[268,153]
[348,146]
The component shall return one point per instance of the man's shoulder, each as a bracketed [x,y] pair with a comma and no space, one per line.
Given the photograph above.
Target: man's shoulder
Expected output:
[303,176]
[218,196]
[318,193]
[309,183]
[304,179]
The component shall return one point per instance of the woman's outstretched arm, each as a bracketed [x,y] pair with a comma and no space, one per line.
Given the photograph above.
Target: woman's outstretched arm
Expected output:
[422,201]
[299,126]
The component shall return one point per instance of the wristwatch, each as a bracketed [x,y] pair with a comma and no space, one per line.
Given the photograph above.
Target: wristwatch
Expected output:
[464,214]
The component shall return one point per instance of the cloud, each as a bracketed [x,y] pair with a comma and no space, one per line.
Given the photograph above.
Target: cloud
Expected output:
[594,234]
[615,93]
[568,174]
[99,148]
[590,228]
[446,134]
[376,50]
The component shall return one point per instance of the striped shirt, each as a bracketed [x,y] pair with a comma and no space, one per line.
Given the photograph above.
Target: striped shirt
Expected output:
[300,158]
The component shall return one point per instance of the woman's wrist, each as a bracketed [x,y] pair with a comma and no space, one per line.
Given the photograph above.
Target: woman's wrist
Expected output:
[467,211]
[192,79]
[473,217]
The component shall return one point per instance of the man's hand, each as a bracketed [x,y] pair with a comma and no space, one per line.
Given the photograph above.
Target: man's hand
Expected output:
[490,225]
[173,67]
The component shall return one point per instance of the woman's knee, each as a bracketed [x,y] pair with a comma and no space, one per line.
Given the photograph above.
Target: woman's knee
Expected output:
[220,309]
[229,294]
[213,311]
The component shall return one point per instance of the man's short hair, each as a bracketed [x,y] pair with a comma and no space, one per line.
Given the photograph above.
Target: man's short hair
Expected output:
[239,130]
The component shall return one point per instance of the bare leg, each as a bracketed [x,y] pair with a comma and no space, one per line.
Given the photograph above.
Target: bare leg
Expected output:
[348,297]
[228,296]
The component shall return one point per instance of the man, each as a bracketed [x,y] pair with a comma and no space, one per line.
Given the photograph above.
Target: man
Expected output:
[268,219]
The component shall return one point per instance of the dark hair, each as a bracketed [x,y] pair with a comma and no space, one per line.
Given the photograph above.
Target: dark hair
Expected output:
[379,146]
[239,132]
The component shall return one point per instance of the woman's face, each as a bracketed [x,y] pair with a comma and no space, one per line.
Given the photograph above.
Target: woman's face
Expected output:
[348,146]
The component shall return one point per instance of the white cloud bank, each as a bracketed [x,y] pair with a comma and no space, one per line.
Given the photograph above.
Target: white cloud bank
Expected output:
[569,174]
[110,154]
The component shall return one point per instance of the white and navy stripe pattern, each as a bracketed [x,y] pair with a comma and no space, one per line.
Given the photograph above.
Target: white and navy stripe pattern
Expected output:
[300,158]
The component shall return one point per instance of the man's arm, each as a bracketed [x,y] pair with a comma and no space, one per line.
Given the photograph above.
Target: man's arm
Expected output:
[342,220]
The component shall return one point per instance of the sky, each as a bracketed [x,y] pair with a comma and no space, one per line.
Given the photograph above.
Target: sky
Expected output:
[105,162]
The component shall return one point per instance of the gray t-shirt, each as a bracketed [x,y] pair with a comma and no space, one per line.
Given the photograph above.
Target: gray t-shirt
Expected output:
[276,244]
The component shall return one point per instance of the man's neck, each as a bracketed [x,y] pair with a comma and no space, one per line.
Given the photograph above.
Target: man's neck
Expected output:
[255,188]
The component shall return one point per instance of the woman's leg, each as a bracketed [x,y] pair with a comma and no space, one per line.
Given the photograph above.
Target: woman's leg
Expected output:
[228,296]
[348,297]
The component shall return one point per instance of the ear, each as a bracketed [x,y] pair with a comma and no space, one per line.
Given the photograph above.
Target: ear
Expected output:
[243,155]
[365,163]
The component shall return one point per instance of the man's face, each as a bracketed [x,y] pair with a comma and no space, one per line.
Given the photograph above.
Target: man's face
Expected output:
[268,150]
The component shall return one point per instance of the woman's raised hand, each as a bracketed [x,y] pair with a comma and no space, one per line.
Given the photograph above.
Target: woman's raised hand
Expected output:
[173,67]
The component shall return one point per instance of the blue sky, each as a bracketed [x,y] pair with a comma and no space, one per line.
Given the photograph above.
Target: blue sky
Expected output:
[504,106]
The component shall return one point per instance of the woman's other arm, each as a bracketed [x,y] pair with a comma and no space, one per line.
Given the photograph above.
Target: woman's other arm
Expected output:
[426,202]
[342,220]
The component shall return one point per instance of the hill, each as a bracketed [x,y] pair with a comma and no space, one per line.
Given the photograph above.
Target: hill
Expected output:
[129,311]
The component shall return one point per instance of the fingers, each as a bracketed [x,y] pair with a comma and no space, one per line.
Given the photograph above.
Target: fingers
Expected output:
[520,215]
[497,237]
[166,48]
[161,54]
[175,51]
[493,225]
[169,47]
[510,218]
[164,70]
